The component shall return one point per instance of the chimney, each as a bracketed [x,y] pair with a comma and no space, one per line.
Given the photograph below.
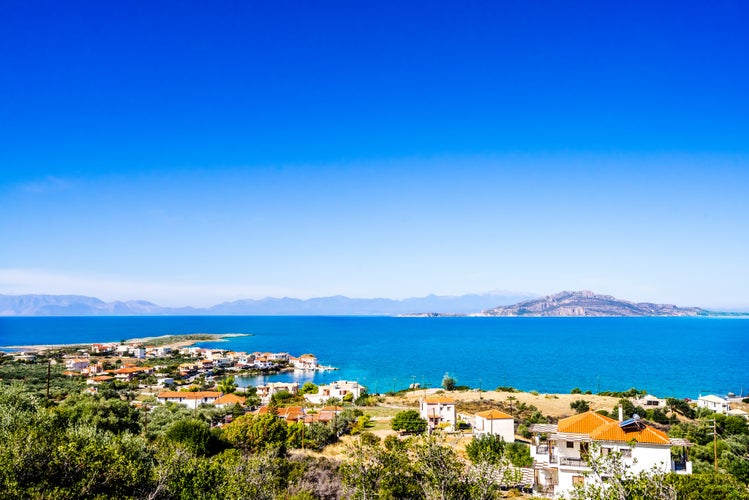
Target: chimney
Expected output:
[621,413]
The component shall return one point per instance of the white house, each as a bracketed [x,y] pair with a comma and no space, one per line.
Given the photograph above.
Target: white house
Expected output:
[561,461]
[496,423]
[190,399]
[265,392]
[76,364]
[338,390]
[438,410]
[714,403]
[649,402]
[304,362]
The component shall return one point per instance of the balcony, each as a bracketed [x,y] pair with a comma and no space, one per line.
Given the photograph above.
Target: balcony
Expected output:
[574,462]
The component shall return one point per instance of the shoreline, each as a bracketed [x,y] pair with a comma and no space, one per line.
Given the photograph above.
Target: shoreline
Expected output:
[177,341]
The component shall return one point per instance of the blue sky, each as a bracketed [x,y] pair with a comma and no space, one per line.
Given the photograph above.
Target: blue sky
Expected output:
[190,153]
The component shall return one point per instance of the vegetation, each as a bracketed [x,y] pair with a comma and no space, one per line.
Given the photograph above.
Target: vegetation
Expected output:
[580,406]
[77,445]
[448,382]
[409,421]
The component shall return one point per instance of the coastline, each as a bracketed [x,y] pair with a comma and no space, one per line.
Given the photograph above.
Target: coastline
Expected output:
[175,341]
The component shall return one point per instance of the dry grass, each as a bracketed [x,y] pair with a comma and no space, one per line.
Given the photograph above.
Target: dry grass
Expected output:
[552,405]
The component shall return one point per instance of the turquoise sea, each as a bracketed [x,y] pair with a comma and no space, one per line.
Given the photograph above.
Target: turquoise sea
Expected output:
[679,357]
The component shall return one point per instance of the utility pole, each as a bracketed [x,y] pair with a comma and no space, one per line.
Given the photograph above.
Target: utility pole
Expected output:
[49,368]
[715,445]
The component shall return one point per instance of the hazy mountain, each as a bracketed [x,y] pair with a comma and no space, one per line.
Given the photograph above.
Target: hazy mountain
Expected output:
[587,303]
[78,305]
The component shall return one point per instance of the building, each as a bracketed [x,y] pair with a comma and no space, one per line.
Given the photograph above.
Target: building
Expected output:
[438,411]
[190,399]
[304,362]
[266,392]
[229,400]
[715,403]
[649,402]
[291,414]
[561,461]
[495,423]
[337,390]
[76,364]
[128,373]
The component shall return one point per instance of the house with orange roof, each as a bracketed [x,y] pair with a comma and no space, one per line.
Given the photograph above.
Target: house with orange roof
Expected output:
[561,461]
[229,400]
[129,372]
[291,414]
[496,423]
[190,399]
[438,410]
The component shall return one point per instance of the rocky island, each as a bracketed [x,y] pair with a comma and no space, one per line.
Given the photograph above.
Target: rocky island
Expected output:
[582,303]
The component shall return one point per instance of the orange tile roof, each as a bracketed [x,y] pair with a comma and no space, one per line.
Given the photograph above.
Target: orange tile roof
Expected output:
[132,369]
[189,395]
[331,408]
[437,399]
[230,399]
[493,414]
[613,432]
[583,423]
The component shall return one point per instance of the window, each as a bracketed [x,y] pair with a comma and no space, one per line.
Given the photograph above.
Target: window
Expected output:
[570,444]
[578,480]
[605,451]
[626,452]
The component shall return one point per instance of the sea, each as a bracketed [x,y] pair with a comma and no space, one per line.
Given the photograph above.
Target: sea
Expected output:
[669,357]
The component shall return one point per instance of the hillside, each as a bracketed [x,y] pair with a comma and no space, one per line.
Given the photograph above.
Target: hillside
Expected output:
[585,303]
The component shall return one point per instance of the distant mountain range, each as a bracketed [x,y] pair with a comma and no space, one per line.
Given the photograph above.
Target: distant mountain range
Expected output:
[78,305]
[585,303]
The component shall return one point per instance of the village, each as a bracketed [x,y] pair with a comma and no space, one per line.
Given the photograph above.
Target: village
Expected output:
[559,445]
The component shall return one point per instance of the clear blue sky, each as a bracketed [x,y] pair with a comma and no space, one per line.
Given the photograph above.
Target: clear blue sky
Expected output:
[190,153]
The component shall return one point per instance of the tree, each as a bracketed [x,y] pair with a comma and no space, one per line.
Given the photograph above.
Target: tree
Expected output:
[308,388]
[448,382]
[194,435]
[254,433]
[707,486]
[440,470]
[519,454]
[580,406]
[487,448]
[108,414]
[409,421]
[227,385]
[362,472]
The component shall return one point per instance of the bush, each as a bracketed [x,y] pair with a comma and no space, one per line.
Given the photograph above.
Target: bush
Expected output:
[580,406]
[487,448]
[409,421]
[576,390]
[448,383]
[519,454]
